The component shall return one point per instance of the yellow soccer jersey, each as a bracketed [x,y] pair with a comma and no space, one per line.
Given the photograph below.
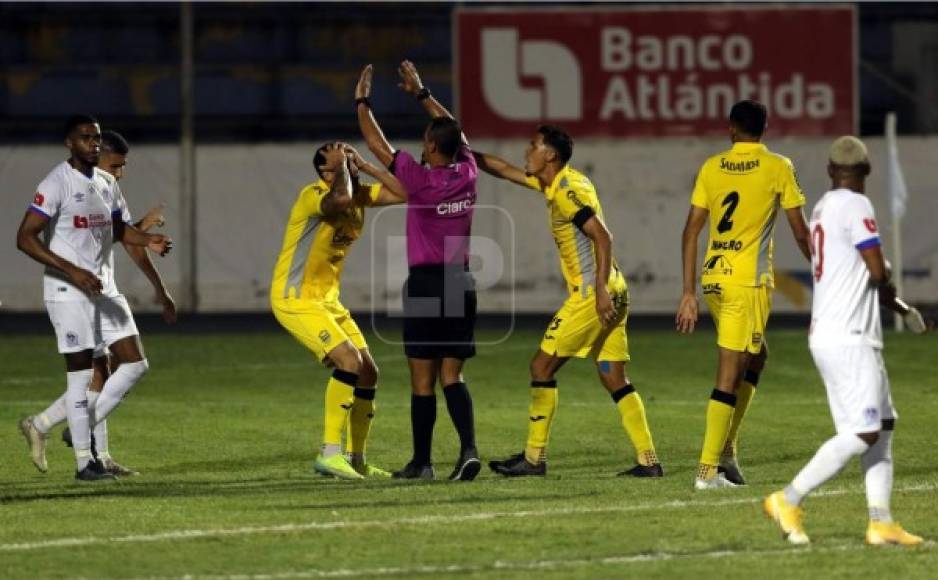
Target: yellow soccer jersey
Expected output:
[742,188]
[314,247]
[569,194]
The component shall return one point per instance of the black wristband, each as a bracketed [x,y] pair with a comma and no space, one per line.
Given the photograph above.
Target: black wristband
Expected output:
[362,101]
[423,93]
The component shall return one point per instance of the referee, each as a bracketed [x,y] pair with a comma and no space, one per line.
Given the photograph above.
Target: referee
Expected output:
[439,295]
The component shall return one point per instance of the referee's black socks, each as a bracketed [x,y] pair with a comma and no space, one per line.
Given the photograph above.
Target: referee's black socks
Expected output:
[422,419]
[459,403]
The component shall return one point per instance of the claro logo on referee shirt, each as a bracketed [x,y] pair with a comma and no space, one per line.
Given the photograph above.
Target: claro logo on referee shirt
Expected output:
[453,207]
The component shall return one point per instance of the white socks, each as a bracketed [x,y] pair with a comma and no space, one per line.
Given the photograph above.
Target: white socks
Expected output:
[117,386]
[99,428]
[55,414]
[76,409]
[877,467]
[826,463]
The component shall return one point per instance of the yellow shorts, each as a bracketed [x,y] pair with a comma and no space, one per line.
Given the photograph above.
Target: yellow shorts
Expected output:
[575,330]
[320,326]
[740,314]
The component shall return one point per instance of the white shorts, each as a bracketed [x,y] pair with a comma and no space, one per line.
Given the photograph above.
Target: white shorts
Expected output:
[91,324]
[857,387]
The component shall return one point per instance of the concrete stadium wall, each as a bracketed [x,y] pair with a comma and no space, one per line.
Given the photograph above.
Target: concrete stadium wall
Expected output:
[245,193]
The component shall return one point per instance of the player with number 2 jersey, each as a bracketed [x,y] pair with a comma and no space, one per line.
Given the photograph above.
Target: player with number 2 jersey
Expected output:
[740,190]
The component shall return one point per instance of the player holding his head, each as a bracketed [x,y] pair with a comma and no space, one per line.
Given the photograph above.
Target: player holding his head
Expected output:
[326,219]
[850,282]
[740,190]
[112,159]
[439,295]
[82,211]
[592,320]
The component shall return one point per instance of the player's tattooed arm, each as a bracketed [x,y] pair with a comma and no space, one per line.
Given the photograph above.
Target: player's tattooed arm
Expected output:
[601,237]
[687,311]
[28,242]
[799,229]
[500,168]
[371,132]
[340,193]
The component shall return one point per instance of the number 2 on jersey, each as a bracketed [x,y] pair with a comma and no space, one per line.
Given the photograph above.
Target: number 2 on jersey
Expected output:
[817,250]
[730,202]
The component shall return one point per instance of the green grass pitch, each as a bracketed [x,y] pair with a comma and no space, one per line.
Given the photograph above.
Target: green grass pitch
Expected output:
[225,427]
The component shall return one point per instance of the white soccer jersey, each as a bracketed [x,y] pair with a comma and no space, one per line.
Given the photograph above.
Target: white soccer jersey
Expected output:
[846,306]
[81,211]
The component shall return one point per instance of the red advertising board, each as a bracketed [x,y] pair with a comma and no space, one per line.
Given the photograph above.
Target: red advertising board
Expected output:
[664,71]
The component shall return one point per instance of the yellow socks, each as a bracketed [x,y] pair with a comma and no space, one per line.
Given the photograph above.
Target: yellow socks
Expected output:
[339,395]
[744,395]
[544,399]
[719,418]
[635,423]
[359,422]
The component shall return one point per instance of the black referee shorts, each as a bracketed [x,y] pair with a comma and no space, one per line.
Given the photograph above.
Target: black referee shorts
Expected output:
[439,312]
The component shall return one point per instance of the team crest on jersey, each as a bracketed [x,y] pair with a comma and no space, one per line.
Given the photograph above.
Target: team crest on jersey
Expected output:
[870,224]
[71,339]
[79,197]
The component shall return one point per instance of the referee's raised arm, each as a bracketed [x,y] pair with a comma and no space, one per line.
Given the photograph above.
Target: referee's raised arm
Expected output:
[371,132]
[413,86]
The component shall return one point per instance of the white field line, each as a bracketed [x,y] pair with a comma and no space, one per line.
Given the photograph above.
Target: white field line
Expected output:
[178,535]
[701,402]
[550,565]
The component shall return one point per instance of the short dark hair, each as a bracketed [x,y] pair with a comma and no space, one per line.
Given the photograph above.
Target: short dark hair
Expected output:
[749,117]
[76,120]
[319,159]
[559,140]
[114,142]
[446,134]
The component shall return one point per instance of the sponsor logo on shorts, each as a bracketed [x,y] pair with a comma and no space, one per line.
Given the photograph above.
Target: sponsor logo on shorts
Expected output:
[870,224]
[39,199]
[537,418]
[62,289]
[871,415]
[71,339]
[79,197]
[712,289]
[757,338]
[325,336]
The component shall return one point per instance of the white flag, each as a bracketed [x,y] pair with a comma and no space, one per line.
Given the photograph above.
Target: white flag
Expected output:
[898,194]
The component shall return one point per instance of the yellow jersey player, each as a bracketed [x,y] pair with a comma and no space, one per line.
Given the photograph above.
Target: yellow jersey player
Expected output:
[326,219]
[591,321]
[740,190]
